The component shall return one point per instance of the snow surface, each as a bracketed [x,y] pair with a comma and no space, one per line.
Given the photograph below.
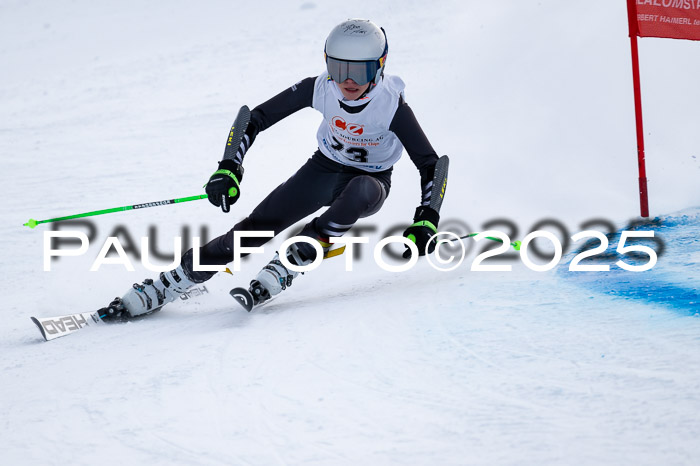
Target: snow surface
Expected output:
[112,103]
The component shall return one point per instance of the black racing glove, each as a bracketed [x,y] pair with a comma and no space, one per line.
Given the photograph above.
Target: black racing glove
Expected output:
[223,188]
[425,223]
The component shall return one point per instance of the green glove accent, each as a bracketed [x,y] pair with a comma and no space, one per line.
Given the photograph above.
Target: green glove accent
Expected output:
[425,223]
[223,188]
[229,173]
[422,223]
[422,232]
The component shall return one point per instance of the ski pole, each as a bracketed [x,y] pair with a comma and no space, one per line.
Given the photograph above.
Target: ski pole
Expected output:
[515,244]
[33,223]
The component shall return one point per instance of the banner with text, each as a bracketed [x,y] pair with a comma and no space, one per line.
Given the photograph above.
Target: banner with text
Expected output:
[674,19]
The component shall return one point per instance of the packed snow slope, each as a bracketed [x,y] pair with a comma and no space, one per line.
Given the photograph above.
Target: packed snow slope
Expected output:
[107,104]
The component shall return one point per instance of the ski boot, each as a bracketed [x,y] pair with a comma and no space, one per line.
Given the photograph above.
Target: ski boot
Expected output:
[275,277]
[272,280]
[149,296]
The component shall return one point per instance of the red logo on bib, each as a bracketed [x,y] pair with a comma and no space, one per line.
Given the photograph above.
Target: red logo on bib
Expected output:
[339,122]
[355,129]
[351,128]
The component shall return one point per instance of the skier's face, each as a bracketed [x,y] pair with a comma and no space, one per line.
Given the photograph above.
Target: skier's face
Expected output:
[351,90]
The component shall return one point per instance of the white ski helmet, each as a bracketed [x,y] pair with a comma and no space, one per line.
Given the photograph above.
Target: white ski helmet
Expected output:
[356,49]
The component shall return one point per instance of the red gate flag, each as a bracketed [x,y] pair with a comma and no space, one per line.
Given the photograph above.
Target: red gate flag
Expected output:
[673,19]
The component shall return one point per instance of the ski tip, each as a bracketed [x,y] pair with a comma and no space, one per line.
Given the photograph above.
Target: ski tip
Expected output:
[41,328]
[243,297]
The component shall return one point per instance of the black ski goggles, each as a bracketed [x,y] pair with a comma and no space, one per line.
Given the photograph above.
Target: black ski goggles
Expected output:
[361,72]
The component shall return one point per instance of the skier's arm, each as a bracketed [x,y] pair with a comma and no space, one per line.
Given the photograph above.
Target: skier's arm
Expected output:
[223,187]
[421,152]
[419,149]
[268,113]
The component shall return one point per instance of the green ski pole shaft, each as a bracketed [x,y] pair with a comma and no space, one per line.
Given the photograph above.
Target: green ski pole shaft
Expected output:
[33,223]
[515,244]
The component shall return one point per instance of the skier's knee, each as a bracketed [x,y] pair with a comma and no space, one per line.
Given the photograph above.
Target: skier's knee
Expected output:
[368,193]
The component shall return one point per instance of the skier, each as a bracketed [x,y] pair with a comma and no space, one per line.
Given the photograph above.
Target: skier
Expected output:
[366,126]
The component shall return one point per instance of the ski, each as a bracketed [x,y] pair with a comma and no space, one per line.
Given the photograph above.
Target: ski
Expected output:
[243,297]
[59,326]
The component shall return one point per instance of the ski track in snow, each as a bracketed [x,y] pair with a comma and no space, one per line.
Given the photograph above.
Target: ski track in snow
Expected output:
[119,103]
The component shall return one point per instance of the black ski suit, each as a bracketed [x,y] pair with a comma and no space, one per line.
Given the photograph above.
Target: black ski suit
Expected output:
[350,193]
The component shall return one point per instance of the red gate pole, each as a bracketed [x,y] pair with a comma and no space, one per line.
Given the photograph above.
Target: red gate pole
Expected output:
[643,196]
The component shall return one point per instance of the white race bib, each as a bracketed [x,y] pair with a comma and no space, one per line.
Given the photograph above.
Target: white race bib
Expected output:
[362,139]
